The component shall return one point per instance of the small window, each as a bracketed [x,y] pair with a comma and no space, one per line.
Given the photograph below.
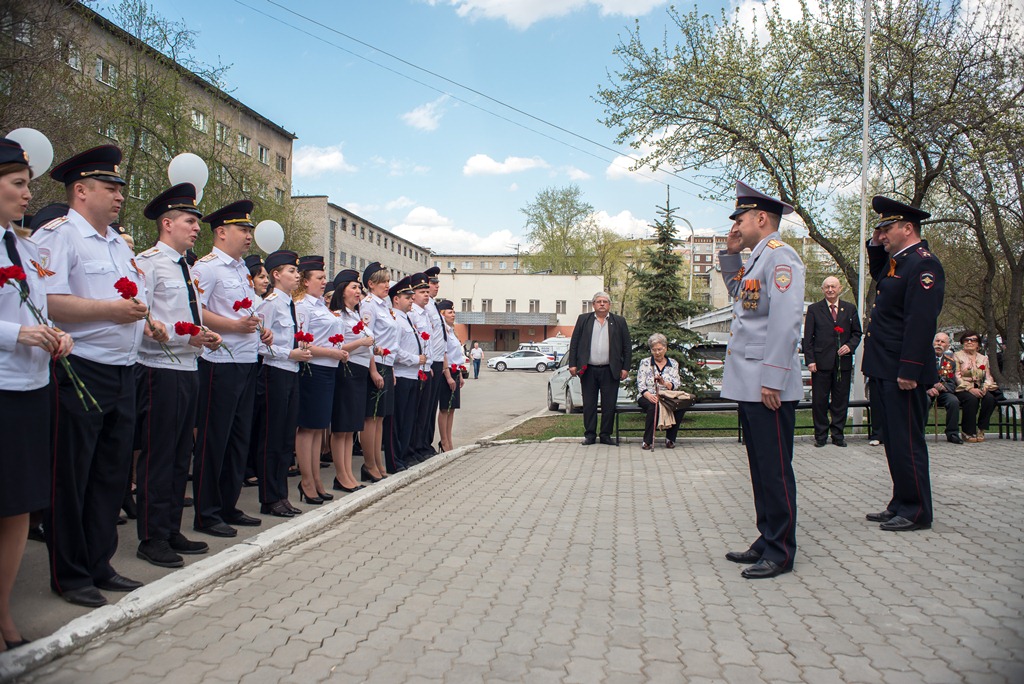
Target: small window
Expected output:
[68,53]
[510,306]
[485,305]
[245,144]
[486,265]
[371,236]
[264,154]
[334,226]
[220,131]
[451,265]
[560,306]
[281,164]
[534,306]
[467,265]
[353,263]
[378,240]
[467,304]
[106,72]
[108,129]
[588,306]
[502,265]
[342,259]
[137,186]
[279,195]
[199,121]
[362,233]
[362,263]
[223,175]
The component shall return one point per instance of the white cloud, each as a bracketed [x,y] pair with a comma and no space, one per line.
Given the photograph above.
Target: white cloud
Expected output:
[399,203]
[481,164]
[621,166]
[426,117]
[624,223]
[398,167]
[315,161]
[514,187]
[576,174]
[523,13]
[426,227]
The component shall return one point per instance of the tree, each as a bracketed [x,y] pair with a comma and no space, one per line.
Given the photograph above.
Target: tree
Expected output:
[784,110]
[561,227]
[661,307]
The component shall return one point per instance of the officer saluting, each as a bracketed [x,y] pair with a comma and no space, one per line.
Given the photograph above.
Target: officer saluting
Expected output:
[762,370]
[898,356]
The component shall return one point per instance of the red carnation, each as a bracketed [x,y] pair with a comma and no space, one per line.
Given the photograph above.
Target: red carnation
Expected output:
[187,328]
[582,370]
[422,376]
[242,304]
[454,369]
[358,327]
[425,335]
[303,337]
[839,330]
[126,288]
[981,367]
[385,352]
[336,339]
[11,273]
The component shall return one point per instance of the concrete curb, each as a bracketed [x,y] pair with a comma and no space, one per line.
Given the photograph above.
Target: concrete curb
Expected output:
[188,581]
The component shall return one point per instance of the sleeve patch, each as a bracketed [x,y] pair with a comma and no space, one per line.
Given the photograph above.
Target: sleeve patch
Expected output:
[927,280]
[783,277]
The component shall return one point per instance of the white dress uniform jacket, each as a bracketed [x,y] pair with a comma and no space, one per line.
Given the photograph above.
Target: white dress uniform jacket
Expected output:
[22,367]
[408,350]
[222,281]
[170,305]
[315,318]
[381,322]
[277,316]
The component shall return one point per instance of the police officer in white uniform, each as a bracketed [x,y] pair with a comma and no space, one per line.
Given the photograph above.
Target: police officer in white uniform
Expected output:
[167,388]
[227,375]
[762,370]
[94,447]
[410,386]
[426,418]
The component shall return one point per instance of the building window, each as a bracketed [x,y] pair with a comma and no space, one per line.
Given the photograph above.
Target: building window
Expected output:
[353,263]
[106,72]
[362,263]
[137,186]
[334,227]
[362,233]
[371,236]
[485,305]
[353,227]
[378,240]
[534,306]
[279,195]
[502,265]
[199,121]
[222,174]
[220,131]
[467,265]
[342,259]
[588,306]
[451,265]
[510,306]
[107,129]
[263,154]
[486,265]
[560,306]
[330,263]
[245,144]
[515,265]
[467,304]
[281,164]
[330,238]
[68,53]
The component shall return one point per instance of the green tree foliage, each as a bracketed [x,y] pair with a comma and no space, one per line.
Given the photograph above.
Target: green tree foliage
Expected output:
[560,224]
[661,307]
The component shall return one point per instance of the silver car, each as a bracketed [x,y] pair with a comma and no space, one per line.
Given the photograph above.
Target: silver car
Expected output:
[564,390]
[524,358]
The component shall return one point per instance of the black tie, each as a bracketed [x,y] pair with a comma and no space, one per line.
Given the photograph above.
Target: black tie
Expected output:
[415,334]
[295,323]
[193,304]
[444,332]
[12,254]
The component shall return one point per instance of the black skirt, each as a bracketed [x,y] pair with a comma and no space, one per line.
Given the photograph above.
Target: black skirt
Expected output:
[349,411]
[25,456]
[316,394]
[381,403]
[448,399]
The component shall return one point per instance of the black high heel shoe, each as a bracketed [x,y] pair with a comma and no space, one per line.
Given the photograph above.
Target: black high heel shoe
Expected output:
[342,488]
[316,500]
[325,496]
[440,448]
[365,476]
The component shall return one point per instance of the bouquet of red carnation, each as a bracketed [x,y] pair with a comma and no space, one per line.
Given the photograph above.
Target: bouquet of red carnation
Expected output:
[304,338]
[425,335]
[839,330]
[17,274]
[455,371]
[128,290]
[246,304]
[337,340]
[191,329]
[422,375]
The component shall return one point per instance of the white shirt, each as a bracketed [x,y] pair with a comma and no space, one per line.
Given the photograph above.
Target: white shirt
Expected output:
[276,313]
[170,305]
[456,354]
[599,354]
[437,330]
[407,351]
[86,264]
[222,282]
[381,322]
[315,318]
[22,367]
[360,355]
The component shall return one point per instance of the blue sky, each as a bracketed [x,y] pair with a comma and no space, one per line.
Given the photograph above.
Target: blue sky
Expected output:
[420,158]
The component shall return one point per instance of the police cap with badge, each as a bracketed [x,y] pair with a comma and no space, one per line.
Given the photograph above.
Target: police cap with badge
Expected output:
[432,274]
[235,214]
[371,268]
[418,281]
[101,163]
[311,262]
[403,286]
[747,199]
[890,211]
[282,257]
[345,277]
[13,153]
[180,197]
[253,261]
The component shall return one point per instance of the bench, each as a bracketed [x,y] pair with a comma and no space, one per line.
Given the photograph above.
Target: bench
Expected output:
[1009,421]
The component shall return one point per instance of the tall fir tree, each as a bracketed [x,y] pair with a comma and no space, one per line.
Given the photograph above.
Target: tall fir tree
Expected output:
[662,308]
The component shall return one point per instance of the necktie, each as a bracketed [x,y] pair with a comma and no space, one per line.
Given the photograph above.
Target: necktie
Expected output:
[834,314]
[12,254]
[295,323]
[193,304]
[415,334]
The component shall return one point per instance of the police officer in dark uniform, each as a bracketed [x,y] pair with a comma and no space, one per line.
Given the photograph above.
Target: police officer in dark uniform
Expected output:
[898,356]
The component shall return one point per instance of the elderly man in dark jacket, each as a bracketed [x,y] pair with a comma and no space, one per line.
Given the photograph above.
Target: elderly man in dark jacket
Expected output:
[943,392]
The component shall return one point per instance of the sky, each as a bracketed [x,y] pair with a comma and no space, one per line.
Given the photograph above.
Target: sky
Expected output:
[429,159]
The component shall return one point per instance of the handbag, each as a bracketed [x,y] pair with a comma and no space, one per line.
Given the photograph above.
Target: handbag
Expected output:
[675,400]
[465,373]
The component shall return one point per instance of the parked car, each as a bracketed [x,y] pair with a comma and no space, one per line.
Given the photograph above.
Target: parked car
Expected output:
[564,390]
[523,358]
[711,355]
[545,349]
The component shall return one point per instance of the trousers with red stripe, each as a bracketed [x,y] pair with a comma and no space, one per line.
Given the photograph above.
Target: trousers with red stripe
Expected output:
[901,419]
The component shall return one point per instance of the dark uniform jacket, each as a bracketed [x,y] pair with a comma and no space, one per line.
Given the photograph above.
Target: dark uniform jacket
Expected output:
[620,348]
[946,367]
[908,299]
[821,341]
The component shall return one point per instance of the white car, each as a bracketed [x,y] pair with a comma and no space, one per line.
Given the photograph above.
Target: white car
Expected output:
[524,358]
[564,390]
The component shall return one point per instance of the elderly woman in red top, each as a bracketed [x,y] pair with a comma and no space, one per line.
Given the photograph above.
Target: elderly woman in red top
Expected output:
[975,388]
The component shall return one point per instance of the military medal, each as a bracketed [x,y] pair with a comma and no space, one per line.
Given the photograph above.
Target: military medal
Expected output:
[750,293]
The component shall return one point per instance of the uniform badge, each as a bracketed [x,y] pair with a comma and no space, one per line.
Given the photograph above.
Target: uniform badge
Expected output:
[750,293]
[41,270]
[44,256]
[783,277]
[739,274]
[927,280]
[775,244]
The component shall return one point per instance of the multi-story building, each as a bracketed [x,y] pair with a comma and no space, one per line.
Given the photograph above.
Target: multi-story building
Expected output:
[350,241]
[478,263]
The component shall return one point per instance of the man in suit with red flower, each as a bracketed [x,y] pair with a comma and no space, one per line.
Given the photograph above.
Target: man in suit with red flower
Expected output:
[831,334]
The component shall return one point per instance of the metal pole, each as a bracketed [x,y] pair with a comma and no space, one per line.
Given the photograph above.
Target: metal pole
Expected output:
[858,386]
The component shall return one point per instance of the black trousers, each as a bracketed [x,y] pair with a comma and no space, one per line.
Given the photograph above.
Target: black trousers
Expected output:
[901,418]
[975,420]
[598,380]
[768,436]
[948,401]
[277,414]
[830,400]
[227,393]
[92,452]
[423,423]
[650,408]
[167,402]
[398,428]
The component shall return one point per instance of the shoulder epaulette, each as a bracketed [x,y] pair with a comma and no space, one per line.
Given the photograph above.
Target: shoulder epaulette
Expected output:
[923,252]
[775,244]
[55,223]
[270,297]
[150,252]
[209,257]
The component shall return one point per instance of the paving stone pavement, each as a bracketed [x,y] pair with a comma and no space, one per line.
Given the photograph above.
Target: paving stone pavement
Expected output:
[561,563]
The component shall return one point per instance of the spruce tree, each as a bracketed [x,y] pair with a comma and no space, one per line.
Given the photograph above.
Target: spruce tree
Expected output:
[662,308]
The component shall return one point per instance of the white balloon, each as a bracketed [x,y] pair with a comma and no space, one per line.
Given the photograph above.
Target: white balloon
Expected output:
[189,168]
[269,235]
[37,146]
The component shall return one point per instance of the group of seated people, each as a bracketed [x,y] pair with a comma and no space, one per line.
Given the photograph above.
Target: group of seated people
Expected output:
[965,388]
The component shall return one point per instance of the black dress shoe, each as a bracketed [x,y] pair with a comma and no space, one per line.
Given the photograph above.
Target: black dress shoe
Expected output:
[884,516]
[839,442]
[745,557]
[587,441]
[955,439]
[342,488]
[35,533]
[159,553]
[277,509]
[17,644]
[763,569]
[118,583]
[218,530]
[606,440]
[819,443]
[294,510]
[89,597]
[182,544]
[669,444]
[245,520]
[901,524]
